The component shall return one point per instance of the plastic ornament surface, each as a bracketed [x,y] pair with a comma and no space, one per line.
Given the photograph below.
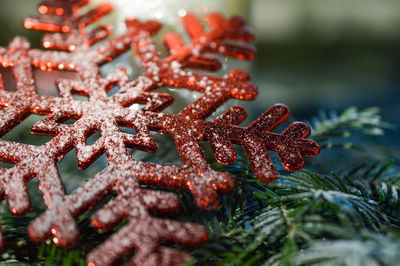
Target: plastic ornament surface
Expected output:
[70,47]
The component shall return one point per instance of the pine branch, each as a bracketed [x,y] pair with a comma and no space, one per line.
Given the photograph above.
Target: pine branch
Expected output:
[373,249]
[302,208]
[328,129]
[379,181]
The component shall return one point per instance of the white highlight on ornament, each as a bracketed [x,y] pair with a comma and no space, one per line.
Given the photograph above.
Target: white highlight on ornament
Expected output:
[165,11]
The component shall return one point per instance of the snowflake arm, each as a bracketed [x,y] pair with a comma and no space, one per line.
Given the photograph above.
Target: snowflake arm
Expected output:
[123,175]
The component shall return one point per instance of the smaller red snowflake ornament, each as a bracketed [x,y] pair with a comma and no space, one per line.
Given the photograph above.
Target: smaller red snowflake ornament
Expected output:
[70,47]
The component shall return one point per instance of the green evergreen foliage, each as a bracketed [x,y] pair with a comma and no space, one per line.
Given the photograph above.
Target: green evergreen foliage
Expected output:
[327,128]
[318,216]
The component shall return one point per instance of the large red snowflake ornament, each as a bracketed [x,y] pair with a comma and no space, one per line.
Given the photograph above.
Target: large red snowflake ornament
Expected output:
[142,232]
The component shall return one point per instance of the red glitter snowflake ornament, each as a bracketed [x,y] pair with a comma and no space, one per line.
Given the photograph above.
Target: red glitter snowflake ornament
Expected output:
[68,46]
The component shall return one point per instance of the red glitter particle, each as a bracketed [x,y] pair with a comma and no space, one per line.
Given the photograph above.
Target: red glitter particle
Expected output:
[105,114]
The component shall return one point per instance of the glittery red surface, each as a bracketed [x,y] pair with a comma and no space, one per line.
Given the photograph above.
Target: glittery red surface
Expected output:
[143,232]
